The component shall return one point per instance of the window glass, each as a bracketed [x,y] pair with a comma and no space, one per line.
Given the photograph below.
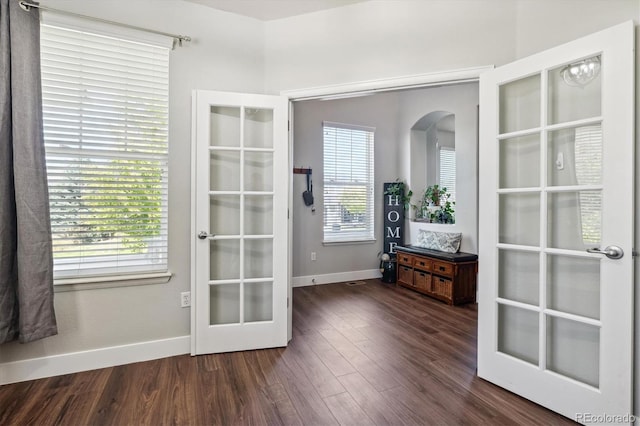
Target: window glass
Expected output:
[348,183]
[447,170]
[105,109]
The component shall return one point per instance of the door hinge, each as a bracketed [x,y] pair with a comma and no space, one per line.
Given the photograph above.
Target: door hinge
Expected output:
[634,253]
[288,125]
[287,302]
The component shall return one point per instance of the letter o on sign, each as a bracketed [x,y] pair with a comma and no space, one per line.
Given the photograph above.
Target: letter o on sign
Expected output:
[395,215]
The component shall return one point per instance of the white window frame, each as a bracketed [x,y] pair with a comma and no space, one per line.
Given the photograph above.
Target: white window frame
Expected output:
[347,232]
[122,274]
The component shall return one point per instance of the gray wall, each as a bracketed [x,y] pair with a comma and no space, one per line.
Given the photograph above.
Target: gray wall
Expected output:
[226,54]
[379,111]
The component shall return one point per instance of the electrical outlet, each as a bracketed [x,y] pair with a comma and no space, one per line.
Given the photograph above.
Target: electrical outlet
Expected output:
[313,255]
[185,299]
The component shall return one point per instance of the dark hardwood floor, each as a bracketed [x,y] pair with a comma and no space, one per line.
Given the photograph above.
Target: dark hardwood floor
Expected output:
[360,355]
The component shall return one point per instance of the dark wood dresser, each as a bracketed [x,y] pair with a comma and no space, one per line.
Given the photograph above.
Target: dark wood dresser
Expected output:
[450,277]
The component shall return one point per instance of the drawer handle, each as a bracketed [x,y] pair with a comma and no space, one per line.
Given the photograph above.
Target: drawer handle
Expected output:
[442,268]
[422,275]
[421,263]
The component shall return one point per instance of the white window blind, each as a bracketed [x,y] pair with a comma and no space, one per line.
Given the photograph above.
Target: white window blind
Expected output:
[348,183]
[447,166]
[105,106]
[588,165]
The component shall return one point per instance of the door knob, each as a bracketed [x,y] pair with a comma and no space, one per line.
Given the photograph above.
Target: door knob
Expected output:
[203,235]
[612,252]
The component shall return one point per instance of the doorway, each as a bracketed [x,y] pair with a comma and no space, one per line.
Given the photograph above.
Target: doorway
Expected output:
[395,115]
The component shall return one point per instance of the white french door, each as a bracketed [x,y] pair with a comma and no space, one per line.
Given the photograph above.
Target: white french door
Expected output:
[240,231]
[556,193]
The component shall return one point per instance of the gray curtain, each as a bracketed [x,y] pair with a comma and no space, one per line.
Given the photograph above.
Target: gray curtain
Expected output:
[26,266]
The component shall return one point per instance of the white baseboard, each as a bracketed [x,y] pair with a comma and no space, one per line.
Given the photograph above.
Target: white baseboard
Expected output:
[336,277]
[38,368]
[75,362]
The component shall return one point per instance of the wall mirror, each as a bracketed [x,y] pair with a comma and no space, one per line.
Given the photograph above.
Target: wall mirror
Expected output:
[433,162]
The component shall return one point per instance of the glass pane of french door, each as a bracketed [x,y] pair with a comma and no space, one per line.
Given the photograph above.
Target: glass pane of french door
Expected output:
[550,211]
[241,200]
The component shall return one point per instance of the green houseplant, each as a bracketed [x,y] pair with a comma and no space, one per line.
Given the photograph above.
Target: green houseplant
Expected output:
[436,206]
[400,189]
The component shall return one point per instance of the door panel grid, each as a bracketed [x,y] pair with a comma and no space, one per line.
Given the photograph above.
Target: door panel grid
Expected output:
[240,280]
[555,320]
[541,218]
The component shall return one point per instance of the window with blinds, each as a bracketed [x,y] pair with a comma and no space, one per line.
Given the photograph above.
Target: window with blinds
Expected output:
[105,107]
[588,169]
[447,170]
[348,183]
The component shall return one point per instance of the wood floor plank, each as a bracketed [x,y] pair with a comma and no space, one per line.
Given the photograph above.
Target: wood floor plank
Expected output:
[317,372]
[368,368]
[346,410]
[327,353]
[517,410]
[14,397]
[282,404]
[215,396]
[310,407]
[121,388]
[270,361]
[424,410]
[372,402]
[82,397]
[365,354]
[44,403]
[177,376]
[245,392]
[261,367]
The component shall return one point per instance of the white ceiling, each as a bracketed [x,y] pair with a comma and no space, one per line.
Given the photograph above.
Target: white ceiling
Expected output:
[268,10]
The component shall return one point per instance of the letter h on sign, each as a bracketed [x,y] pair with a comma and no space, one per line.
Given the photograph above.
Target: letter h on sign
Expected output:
[393,220]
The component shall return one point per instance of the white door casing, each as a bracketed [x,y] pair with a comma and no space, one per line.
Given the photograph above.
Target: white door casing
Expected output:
[240,227]
[555,323]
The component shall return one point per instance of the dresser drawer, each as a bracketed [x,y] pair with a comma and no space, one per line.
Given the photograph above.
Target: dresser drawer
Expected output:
[405,259]
[442,286]
[442,268]
[405,275]
[422,280]
[422,263]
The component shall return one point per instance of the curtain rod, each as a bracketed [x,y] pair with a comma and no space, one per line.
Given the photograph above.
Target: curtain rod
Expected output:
[177,39]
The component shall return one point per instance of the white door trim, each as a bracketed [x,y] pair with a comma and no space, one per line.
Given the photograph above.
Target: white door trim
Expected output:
[192,246]
[367,87]
[361,88]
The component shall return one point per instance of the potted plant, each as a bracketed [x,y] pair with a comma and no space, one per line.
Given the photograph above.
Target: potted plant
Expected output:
[432,195]
[436,206]
[445,214]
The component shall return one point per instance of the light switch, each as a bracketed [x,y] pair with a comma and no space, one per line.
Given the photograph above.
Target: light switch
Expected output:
[560,161]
